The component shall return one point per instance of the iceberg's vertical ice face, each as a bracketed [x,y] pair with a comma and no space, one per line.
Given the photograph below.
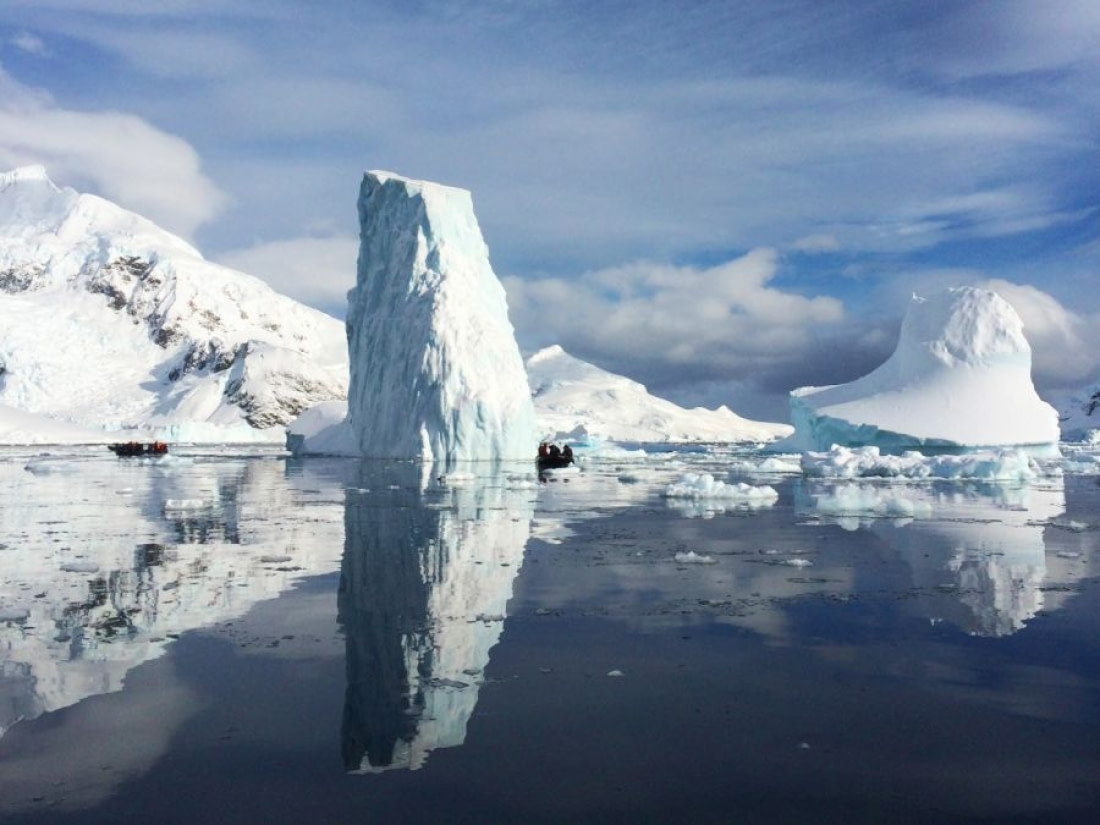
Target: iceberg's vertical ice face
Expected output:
[435,370]
[960,377]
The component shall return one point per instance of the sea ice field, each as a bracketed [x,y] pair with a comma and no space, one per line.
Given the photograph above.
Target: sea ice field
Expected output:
[704,634]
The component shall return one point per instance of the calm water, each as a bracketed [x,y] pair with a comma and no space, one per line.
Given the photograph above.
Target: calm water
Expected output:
[255,639]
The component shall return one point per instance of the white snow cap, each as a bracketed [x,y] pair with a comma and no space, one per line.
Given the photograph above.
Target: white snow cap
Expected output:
[435,370]
[960,376]
[109,323]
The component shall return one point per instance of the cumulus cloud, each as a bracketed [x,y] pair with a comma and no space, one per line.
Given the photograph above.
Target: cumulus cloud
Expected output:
[29,43]
[1065,346]
[723,321]
[315,271]
[117,155]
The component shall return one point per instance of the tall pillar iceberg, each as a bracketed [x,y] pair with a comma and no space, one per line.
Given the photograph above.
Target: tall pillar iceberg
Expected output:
[436,373]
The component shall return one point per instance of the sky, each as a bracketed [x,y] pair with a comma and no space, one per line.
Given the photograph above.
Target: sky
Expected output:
[721,199]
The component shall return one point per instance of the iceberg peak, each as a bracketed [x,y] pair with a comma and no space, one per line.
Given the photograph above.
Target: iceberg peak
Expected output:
[961,325]
[435,370]
[959,377]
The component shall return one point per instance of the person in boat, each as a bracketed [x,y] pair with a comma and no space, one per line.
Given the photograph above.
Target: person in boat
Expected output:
[544,450]
[567,453]
[555,451]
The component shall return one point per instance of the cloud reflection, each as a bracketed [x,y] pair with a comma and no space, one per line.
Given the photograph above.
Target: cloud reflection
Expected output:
[976,551]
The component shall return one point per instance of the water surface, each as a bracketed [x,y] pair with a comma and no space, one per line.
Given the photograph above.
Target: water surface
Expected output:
[252,638]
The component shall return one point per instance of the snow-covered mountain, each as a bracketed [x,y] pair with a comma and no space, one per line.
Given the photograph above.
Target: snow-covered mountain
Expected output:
[1079,415]
[960,376]
[573,397]
[108,322]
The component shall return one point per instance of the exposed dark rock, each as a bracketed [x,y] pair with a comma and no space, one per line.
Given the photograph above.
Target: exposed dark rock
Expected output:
[116,298]
[20,280]
[212,356]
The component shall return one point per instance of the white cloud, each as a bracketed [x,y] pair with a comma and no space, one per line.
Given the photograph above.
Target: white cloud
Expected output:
[29,43]
[724,319]
[315,271]
[1065,346]
[117,155]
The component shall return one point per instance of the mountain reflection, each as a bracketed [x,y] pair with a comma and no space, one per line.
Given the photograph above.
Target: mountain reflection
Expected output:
[425,580]
[978,549]
[104,562]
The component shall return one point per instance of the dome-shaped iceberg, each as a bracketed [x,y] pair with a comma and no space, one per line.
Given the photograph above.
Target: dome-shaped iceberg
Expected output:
[959,377]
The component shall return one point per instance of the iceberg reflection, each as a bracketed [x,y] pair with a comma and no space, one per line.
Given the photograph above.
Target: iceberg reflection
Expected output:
[977,549]
[425,581]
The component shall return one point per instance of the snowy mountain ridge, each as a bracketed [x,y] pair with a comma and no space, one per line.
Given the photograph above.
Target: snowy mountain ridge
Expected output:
[573,397]
[109,322]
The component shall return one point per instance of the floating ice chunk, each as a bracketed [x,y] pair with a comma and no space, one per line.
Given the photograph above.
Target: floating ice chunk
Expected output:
[868,462]
[14,614]
[691,557]
[274,559]
[705,486]
[1071,525]
[615,673]
[45,466]
[458,477]
[798,562]
[773,465]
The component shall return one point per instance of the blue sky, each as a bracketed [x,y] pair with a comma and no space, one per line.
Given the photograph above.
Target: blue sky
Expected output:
[723,200]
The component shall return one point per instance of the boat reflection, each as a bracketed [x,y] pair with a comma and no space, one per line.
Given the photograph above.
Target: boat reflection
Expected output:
[425,581]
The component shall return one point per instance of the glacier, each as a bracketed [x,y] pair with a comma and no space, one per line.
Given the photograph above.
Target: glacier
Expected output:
[959,378]
[110,325]
[436,374]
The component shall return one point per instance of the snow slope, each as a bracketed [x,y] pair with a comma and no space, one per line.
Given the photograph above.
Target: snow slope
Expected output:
[108,322]
[959,377]
[1080,415]
[435,370]
[573,397]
